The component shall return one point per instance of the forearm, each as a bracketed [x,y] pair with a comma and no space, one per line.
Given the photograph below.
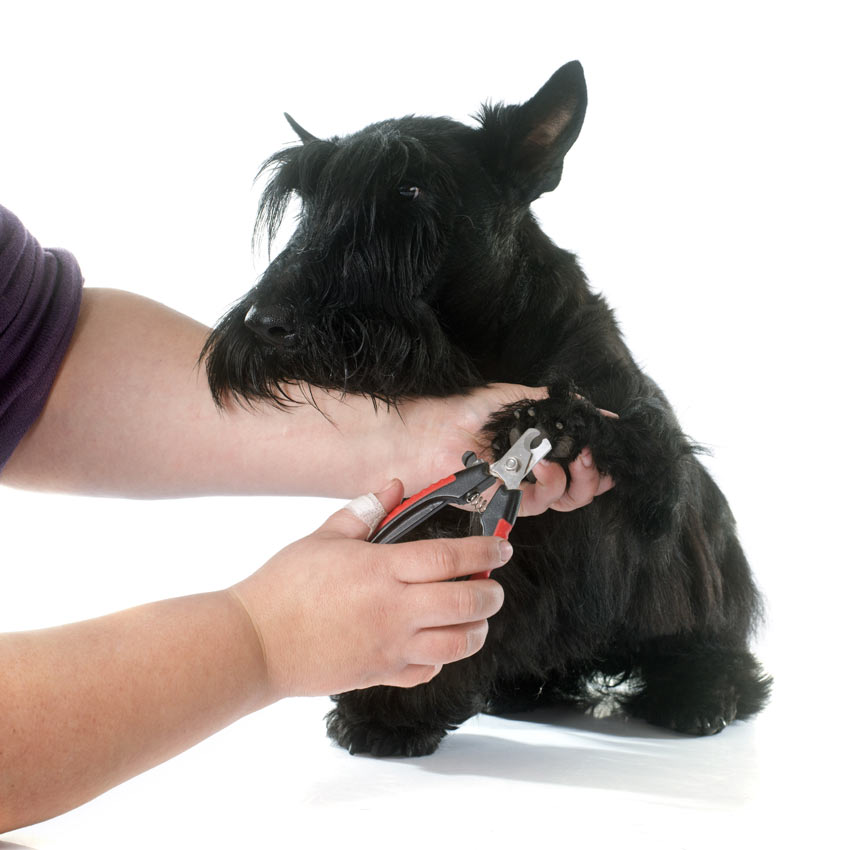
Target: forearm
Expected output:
[130,414]
[86,706]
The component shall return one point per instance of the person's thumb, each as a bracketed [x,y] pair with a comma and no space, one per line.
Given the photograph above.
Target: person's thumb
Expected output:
[361,516]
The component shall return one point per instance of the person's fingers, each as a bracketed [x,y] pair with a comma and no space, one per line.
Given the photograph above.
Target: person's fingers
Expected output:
[422,561]
[550,487]
[609,413]
[448,644]
[551,491]
[606,482]
[359,518]
[413,675]
[585,484]
[453,603]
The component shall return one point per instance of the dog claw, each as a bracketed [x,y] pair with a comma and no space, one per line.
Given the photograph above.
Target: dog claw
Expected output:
[702,725]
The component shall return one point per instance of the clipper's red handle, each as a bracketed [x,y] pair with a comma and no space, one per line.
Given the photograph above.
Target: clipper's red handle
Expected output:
[503,529]
[498,517]
[403,506]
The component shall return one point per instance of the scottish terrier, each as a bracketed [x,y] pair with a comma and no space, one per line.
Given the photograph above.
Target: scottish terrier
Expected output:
[417,269]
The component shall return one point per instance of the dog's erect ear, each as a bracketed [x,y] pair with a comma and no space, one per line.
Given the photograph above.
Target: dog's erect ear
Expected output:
[302,133]
[530,141]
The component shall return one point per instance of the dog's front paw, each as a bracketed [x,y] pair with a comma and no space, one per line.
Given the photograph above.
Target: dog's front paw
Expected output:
[569,425]
[371,737]
[639,450]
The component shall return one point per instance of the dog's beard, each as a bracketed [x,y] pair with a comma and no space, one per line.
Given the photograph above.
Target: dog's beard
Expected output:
[387,358]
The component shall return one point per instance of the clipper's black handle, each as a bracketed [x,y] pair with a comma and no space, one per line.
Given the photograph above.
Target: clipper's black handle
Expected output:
[414,511]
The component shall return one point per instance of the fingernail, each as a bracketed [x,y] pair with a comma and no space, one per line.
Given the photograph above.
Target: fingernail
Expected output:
[586,458]
[386,487]
[505,551]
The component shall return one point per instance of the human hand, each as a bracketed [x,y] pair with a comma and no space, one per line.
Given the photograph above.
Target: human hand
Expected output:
[451,426]
[334,613]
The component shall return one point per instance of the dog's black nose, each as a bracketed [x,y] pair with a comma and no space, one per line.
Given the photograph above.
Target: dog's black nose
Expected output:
[272,324]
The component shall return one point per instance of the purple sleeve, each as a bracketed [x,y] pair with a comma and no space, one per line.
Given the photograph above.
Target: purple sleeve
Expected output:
[40,292]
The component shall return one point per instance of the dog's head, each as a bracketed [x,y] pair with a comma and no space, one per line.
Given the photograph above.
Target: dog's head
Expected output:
[394,283]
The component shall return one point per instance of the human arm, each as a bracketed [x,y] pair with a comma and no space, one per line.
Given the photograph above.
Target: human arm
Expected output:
[130,414]
[89,705]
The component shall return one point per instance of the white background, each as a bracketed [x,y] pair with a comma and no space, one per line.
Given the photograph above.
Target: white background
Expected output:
[707,198]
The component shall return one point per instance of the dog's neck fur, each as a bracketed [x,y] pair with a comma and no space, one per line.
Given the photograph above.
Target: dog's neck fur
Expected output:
[538,293]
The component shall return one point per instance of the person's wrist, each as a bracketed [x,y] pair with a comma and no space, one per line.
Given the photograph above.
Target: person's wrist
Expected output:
[380,445]
[259,689]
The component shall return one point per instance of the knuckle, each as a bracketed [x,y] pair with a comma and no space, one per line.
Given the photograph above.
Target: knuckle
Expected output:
[467,603]
[407,678]
[533,502]
[418,675]
[458,646]
[582,499]
[429,673]
[479,553]
[443,555]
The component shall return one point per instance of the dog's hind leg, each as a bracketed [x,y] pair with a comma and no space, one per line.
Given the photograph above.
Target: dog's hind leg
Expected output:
[696,689]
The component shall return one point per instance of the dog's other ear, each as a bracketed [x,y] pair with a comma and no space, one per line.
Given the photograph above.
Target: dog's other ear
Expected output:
[530,141]
[302,133]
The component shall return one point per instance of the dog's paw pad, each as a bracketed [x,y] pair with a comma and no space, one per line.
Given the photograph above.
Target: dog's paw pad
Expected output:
[551,427]
[567,423]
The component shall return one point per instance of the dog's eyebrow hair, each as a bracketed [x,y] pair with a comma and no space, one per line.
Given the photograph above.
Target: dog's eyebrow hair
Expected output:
[292,170]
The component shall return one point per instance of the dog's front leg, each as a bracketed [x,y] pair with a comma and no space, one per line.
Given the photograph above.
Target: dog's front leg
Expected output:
[641,448]
[405,722]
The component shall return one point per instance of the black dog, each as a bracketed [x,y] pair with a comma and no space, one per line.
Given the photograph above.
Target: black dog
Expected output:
[418,269]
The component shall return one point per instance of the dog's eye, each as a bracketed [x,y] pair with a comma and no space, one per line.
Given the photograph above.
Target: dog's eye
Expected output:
[411,192]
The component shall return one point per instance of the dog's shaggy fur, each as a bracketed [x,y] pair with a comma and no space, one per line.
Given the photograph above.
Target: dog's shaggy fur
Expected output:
[418,269]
